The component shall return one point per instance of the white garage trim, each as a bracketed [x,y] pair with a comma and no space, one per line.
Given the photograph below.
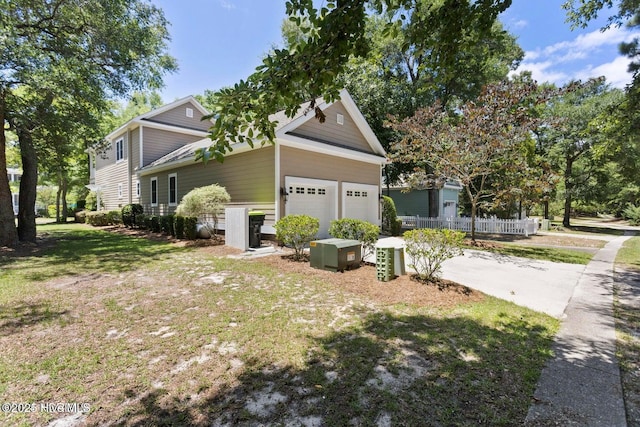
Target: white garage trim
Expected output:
[361,201]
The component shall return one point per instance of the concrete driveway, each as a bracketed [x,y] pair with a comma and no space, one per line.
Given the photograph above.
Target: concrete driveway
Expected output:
[540,285]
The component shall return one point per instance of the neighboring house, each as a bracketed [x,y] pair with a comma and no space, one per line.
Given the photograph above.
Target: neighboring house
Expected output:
[14,175]
[327,170]
[416,202]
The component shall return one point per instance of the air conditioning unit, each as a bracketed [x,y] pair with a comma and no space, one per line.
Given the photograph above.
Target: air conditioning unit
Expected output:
[335,254]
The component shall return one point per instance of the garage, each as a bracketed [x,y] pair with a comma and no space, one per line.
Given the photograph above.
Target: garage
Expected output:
[313,197]
[360,201]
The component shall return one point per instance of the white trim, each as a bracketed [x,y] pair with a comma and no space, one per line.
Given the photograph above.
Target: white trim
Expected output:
[115,149]
[189,112]
[315,147]
[169,202]
[151,180]
[140,136]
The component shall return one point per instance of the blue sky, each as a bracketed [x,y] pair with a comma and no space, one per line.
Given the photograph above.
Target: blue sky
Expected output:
[219,42]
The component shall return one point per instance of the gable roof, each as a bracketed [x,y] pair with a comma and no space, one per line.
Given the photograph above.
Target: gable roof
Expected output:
[136,121]
[284,125]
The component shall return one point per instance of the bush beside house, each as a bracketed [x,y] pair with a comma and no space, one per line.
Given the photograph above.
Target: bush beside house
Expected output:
[356,229]
[296,231]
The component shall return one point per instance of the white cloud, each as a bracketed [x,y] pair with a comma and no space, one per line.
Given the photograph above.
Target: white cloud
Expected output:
[588,55]
[520,24]
[227,4]
[615,72]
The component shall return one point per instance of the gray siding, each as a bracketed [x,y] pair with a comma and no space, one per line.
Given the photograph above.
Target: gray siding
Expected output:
[347,134]
[248,178]
[415,202]
[305,164]
[109,174]
[178,117]
[158,143]
[449,194]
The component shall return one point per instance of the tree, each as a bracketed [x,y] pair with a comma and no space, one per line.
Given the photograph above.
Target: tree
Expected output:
[308,68]
[479,139]
[576,138]
[86,51]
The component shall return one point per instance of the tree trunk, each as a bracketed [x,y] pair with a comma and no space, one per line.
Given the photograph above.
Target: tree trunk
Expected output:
[434,201]
[568,192]
[546,209]
[473,221]
[28,185]
[58,199]
[65,209]
[8,231]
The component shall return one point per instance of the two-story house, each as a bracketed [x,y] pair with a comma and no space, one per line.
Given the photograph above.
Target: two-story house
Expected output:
[327,170]
[14,175]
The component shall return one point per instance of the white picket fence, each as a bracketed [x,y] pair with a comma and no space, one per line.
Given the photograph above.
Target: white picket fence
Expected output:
[483,225]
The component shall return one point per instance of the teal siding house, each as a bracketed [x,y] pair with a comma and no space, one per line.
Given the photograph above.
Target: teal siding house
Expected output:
[416,202]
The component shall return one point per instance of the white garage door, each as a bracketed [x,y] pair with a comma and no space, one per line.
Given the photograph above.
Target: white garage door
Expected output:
[360,201]
[313,197]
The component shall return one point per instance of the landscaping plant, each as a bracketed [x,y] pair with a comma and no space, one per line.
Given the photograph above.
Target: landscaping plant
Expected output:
[129,213]
[296,231]
[356,229]
[204,203]
[391,224]
[428,248]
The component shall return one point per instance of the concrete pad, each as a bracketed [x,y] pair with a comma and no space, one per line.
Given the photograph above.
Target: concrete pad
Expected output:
[540,285]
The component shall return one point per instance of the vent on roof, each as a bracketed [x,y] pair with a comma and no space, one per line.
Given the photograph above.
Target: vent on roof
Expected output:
[189,112]
[340,119]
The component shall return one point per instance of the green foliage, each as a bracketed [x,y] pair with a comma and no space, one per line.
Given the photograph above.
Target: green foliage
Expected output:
[390,222]
[81,216]
[92,201]
[429,248]
[205,202]
[356,229]
[296,231]
[178,226]
[632,214]
[129,214]
[103,218]
[166,224]
[191,227]
[152,223]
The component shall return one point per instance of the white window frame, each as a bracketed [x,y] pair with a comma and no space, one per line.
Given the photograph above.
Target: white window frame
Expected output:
[189,112]
[119,148]
[151,181]
[120,192]
[175,201]
[137,188]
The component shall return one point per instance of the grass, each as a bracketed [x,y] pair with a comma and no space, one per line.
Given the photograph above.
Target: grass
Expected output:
[541,253]
[151,334]
[626,309]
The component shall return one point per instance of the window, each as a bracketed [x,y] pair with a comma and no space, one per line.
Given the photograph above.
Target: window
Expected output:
[119,191]
[190,112]
[340,119]
[322,191]
[119,150]
[173,189]
[311,191]
[154,191]
[137,188]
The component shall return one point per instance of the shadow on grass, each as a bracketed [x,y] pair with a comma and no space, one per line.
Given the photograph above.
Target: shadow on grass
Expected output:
[393,370]
[70,252]
[14,318]
[544,254]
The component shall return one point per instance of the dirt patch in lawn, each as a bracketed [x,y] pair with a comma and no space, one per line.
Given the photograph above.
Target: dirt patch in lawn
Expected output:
[493,240]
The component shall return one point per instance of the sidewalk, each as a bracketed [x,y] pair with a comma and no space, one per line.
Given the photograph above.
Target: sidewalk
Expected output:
[581,385]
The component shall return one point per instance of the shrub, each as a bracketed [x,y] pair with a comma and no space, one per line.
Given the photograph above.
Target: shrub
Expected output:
[428,249]
[178,226]
[191,227]
[102,218]
[152,222]
[129,213]
[166,224]
[356,229]
[81,217]
[297,231]
[632,214]
[205,201]
[390,222]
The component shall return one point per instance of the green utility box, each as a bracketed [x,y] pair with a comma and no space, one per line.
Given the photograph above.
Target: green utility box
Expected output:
[335,254]
[385,264]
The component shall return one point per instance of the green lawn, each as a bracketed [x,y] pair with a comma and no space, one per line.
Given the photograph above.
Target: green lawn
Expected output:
[570,256]
[148,333]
